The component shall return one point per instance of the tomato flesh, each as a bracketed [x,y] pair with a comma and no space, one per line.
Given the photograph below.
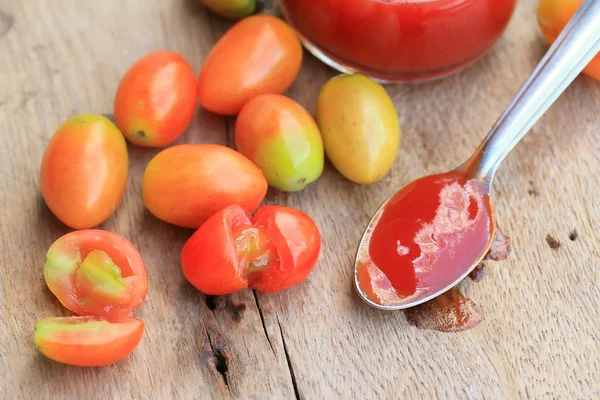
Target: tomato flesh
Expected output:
[87,341]
[255,252]
[95,272]
[231,251]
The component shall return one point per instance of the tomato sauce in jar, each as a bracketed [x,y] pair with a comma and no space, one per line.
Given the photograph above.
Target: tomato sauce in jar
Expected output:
[399,40]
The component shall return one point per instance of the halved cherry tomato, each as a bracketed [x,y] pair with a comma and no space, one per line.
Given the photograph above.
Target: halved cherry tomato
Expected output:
[553,16]
[156,99]
[96,272]
[184,185]
[260,54]
[87,341]
[84,171]
[232,251]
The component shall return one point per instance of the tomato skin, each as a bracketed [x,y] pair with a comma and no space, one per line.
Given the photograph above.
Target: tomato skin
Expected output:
[213,264]
[84,171]
[234,9]
[553,16]
[65,256]
[156,99]
[87,341]
[186,184]
[260,54]
[282,139]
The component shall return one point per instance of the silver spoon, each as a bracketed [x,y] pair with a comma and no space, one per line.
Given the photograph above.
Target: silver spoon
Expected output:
[574,48]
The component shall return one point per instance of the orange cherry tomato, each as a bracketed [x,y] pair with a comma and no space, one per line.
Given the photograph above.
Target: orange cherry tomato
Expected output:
[282,139]
[87,341]
[96,272]
[184,185]
[260,54]
[156,99]
[232,251]
[553,16]
[84,171]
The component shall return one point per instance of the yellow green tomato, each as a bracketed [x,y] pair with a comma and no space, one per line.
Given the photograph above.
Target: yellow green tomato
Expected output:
[234,9]
[282,139]
[360,127]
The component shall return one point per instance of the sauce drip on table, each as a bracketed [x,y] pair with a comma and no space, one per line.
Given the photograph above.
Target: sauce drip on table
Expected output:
[452,311]
[424,239]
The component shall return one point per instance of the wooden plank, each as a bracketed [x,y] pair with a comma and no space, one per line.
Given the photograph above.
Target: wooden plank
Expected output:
[67,58]
[539,337]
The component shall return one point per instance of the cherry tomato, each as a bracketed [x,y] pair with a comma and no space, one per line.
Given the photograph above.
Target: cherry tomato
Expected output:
[96,272]
[260,54]
[360,127]
[84,171]
[156,99]
[234,9]
[184,185]
[87,341]
[553,16]
[282,139]
[232,251]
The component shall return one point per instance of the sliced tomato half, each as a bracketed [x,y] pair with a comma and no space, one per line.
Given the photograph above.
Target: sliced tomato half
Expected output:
[87,341]
[96,272]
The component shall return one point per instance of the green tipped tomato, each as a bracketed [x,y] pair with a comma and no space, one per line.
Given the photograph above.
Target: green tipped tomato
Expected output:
[87,341]
[282,139]
[233,9]
[95,272]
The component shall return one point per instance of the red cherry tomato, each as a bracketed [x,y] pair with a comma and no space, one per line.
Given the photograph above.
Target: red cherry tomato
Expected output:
[156,99]
[232,251]
[260,54]
[87,341]
[96,272]
[84,171]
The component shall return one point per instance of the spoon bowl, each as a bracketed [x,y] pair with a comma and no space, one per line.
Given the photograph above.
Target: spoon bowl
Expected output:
[434,231]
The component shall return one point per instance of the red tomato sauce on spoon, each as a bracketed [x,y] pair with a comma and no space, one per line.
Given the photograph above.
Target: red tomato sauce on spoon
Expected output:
[425,238]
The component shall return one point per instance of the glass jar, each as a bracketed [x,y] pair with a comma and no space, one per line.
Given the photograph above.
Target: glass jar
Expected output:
[399,40]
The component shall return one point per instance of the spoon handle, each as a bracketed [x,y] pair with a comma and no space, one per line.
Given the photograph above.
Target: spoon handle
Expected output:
[574,48]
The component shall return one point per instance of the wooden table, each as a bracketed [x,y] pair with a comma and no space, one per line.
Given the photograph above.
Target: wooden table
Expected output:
[540,335]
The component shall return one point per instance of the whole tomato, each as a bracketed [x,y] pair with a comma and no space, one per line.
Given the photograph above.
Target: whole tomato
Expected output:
[184,185]
[87,341]
[232,251]
[156,99]
[282,139]
[553,16]
[96,272]
[260,54]
[360,127]
[84,171]
[234,9]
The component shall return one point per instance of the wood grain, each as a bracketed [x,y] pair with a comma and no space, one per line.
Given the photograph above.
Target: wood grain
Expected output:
[539,337]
